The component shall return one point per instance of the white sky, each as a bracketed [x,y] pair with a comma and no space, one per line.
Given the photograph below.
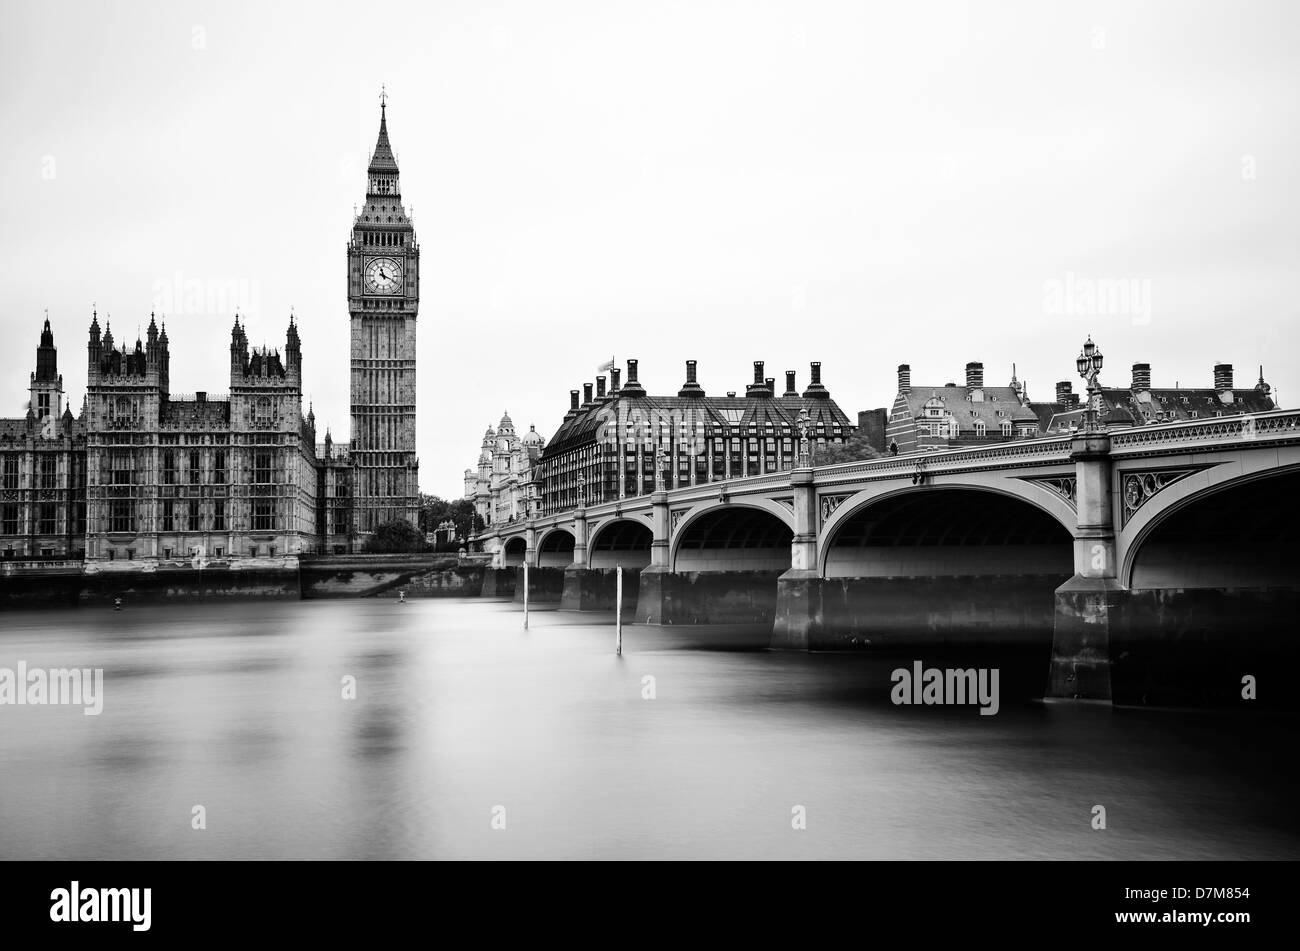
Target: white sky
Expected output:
[788,181]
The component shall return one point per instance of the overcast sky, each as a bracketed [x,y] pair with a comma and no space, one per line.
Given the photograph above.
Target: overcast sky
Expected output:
[864,185]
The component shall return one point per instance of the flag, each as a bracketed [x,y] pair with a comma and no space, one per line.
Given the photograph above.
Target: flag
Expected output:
[609,365]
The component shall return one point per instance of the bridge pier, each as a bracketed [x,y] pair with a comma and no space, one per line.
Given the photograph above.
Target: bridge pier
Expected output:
[1087,605]
[595,589]
[545,585]
[498,582]
[798,591]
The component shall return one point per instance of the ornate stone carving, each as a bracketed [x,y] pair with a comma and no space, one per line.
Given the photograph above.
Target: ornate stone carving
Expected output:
[674,517]
[1063,485]
[1138,487]
[829,503]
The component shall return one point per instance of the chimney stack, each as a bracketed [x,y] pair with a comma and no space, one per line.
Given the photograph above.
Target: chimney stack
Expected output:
[815,389]
[600,388]
[975,376]
[1141,377]
[586,395]
[759,387]
[615,375]
[692,386]
[1064,392]
[771,385]
[573,406]
[633,387]
[790,388]
[904,378]
[1222,377]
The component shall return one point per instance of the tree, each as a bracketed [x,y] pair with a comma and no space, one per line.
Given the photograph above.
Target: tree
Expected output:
[467,521]
[394,537]
[854,449]
[432,511]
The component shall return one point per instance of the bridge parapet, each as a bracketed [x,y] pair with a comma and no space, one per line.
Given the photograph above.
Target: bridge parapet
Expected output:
[1227,432]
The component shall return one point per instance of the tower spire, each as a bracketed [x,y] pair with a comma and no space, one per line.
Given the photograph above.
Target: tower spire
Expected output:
[382,160]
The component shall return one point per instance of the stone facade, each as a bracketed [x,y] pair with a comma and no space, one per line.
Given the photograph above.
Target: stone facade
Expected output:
[502,487]
[175,479]
[146,478]
[383,299]
[43,470]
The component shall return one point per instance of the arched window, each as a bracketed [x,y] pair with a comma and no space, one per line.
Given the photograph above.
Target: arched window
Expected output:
[980,428]
[1006,427]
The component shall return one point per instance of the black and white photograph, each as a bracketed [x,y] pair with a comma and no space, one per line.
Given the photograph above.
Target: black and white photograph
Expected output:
[514,431]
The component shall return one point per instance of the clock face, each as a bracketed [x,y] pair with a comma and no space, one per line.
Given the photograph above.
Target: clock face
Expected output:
[383,276]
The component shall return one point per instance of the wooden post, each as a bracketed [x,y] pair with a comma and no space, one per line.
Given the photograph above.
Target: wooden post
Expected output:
[525,595]
[618,611]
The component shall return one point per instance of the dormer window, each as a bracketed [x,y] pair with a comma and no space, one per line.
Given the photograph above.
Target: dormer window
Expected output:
[980,428]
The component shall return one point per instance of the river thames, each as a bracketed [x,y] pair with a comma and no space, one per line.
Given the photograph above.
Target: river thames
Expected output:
[469,737]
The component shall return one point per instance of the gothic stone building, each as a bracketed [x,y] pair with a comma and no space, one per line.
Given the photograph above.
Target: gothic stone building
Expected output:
[383,299]
[149,478]
[146,477]
[171,477]
[43,470]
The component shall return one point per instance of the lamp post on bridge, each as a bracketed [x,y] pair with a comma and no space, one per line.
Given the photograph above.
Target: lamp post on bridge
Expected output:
[661,471]
[802,423]
[1088,364]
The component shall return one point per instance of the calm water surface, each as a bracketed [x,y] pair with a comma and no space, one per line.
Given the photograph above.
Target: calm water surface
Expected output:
[238,707]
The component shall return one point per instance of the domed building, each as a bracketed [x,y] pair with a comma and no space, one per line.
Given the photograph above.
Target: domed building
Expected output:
[500,486]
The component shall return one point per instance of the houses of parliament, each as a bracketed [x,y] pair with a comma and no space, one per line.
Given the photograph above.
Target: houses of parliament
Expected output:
[144,476]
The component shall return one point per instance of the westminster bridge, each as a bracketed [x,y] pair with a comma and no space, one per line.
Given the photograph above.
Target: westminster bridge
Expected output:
[1174,542]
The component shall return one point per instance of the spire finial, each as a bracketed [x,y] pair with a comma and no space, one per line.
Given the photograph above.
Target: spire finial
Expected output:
[383,97]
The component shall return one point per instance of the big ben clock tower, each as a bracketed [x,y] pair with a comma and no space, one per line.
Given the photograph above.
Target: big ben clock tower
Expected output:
[383,298]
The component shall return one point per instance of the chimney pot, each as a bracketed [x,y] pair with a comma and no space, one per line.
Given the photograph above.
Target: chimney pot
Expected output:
[691,387]
[573,399]
[615,375]
[815,389]
[1222,377]
[600,387]
[758,372]
[790,388]
[586,394]
[633,387]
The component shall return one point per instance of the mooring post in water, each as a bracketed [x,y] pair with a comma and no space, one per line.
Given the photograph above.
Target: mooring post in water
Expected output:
[525,596]
[618,611]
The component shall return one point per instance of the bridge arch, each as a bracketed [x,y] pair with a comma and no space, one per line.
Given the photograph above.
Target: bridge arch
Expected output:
[749,535]
[555,549]
[513,551]
[620,542]
[1218,528]
[947,530]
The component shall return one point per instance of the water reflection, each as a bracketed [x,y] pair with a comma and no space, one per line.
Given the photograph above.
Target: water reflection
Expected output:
[458,711]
